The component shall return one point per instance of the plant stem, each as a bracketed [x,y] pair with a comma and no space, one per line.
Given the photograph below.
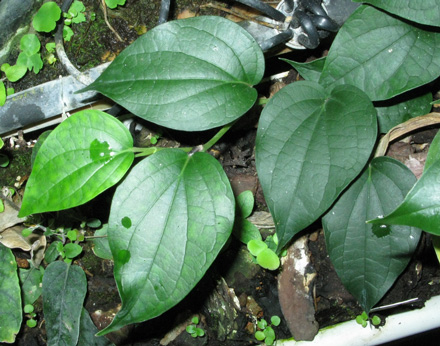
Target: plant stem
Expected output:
[151,150]
[217,136]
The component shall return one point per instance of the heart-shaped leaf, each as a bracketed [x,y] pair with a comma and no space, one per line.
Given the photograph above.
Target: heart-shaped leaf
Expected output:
[382,55]
[394,112]
[367,258]
[311,144]
[420,11]
[85,155]
[421,207]
[308,70]
[10,298]
[181,212]
[64,290]
[191,74]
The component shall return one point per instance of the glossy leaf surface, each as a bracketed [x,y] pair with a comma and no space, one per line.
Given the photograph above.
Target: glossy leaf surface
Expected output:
[10,297]
[420,11]
[181,210]
[311,144]
[64,290]
[382,55]
[421,207]
[394,112]
[308,70]
[87,331]
[368,258]
[81,158]
[191,74]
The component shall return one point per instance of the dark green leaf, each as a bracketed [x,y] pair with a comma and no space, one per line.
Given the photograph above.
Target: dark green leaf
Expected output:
[421,207]
[30,280]
[382,55]
[10,299]
[367,258]
[311,143]
[101,247]
[244,230]
[182,213]
[52,252]
[434,152]
[87,331]
[392,113]
[308,70]
[64,290]
[72,250]
[245,203]
[94,223]
[420,11]
[4,161]
[68,171]
[191,74]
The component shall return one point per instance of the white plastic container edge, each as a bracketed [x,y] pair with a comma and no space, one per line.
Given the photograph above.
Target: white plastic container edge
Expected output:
[396,327]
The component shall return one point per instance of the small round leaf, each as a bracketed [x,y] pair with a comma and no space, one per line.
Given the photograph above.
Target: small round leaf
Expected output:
[47,16]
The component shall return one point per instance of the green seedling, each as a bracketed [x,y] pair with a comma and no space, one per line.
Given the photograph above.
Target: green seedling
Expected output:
[265,257]
[363,319]
[313,154]
[266,333]
[75,14]
[193,330]
[68,251]
[45,20]
[50,57]
[30,314]
[13,73]
[30,53]
[244,230]
[114,3]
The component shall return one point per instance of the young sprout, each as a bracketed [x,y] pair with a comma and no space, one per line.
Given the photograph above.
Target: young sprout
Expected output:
[266,333]
[363,318]
[193,330]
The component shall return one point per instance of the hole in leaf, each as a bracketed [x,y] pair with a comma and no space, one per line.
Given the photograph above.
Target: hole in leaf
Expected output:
[381,230]
[123,256]
[100,151]
[126,222]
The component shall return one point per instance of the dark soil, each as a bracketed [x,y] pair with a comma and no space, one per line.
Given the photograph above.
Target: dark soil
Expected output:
[235,292]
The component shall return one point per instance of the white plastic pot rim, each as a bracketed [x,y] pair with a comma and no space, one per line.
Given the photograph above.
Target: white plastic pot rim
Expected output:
[396,327]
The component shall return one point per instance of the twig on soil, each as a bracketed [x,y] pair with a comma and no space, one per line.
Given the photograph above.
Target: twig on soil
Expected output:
[104,10]
[405,128]
[242,16]
[394,305]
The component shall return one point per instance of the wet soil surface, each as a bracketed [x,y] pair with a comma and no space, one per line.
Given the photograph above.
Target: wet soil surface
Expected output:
[236,292]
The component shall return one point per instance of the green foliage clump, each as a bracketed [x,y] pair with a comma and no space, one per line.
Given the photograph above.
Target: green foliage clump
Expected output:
[314,158]
[45,20]
[266,332]
[193,330]
[115,3]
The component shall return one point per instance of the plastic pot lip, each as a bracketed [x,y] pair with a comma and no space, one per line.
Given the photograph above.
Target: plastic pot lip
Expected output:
[396,327]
